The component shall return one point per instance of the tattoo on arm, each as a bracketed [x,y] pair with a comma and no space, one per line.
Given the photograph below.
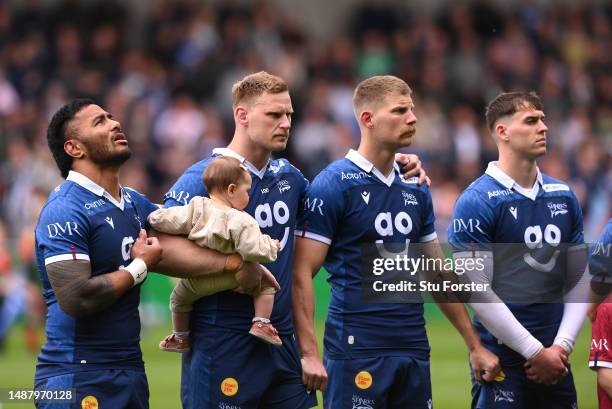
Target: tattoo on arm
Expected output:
[79,294]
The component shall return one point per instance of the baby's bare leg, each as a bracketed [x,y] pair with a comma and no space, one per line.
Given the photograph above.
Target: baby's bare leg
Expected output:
[263,305]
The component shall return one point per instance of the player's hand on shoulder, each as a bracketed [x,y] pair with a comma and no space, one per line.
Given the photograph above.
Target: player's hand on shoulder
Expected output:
[314,375]
[485,364]
[147,248]
[547,366]
[410,166]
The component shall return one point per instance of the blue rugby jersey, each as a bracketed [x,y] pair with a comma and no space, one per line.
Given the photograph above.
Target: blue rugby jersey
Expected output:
[81,221]
[600,262]
[275,198]
[351,204]
[533,225]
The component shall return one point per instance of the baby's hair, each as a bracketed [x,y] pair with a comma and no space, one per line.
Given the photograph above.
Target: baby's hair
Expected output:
[222,172]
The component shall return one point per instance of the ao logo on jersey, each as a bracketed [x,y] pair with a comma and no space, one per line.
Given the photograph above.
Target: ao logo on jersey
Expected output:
[386,225]
[535,238]
[278,213]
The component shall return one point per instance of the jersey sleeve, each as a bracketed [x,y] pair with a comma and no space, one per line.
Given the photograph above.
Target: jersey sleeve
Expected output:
[472,224]
[62,233]
[303,191]
[600,261]
[323,207]
[186,188]
[601,343]
[249,241]
[428,232]
[577,235]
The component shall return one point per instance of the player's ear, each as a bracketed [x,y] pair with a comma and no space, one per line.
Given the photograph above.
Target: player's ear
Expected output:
[501,131]
[74,148]
[366,119]
[241,115]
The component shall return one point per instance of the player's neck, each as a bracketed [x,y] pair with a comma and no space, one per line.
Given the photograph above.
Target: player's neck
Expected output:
[107,178]
[523,171]
[255,154]
[381,158]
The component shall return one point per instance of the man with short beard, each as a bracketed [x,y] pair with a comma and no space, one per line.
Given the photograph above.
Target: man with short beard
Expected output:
[93,253]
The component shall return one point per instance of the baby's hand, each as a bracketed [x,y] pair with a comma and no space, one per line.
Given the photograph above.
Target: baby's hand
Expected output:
[278,246]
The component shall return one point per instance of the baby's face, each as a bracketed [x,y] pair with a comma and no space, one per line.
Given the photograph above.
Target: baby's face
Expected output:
[241,194]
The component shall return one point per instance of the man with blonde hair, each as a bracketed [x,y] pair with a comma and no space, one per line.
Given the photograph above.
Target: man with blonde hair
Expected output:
[257,376]
[376,354]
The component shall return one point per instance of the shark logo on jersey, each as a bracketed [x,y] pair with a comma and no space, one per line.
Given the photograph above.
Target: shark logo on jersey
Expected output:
[366,197]
[283,186]
[362,403]
[514,212]
[503,396]
[409,199]
[557,209]
[109,220]
[275,168]
[496,193]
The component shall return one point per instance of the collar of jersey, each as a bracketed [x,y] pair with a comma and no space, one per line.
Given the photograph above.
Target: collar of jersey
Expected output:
[496,173]
[94,188]
[368,167]
[229,152]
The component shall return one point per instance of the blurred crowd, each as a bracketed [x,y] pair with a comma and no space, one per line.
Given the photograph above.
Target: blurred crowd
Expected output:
[167,77]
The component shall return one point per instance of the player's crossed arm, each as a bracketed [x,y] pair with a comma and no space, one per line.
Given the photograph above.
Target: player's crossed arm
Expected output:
[80,294]
[307,260]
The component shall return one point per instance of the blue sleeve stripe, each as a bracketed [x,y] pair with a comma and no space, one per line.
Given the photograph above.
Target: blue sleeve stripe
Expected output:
[64,257]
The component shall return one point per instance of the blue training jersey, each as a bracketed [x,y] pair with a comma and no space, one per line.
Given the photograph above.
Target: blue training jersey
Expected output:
[527,228]
[600,262]
[275,197]
[80,221]
[349,205]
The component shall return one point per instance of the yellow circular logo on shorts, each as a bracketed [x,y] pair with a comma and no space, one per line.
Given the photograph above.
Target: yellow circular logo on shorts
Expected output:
[500,377]
[229,386]
[89,402]
[363,380]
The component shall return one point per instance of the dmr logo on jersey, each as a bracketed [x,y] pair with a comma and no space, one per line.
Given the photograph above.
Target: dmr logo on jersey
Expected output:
[59,229]
[460,225]
[409,199]
[496,193]
[557,209]
[599,344]
[362,403]
[180,196]
[278,213]
[314,205]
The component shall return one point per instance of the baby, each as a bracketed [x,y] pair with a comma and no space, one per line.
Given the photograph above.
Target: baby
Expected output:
[220,224]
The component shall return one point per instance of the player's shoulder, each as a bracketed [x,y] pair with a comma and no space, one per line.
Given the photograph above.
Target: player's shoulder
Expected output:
[413,184]
[551,185]
[66,196]
[486,190]
[340,174]
[197,169]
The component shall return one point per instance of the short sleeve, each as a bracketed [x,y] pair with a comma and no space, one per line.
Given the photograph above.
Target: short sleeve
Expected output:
[323,206]
[577,235]
[62,233]
[601,351]
[472,224]
[428,232]
[186,188]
